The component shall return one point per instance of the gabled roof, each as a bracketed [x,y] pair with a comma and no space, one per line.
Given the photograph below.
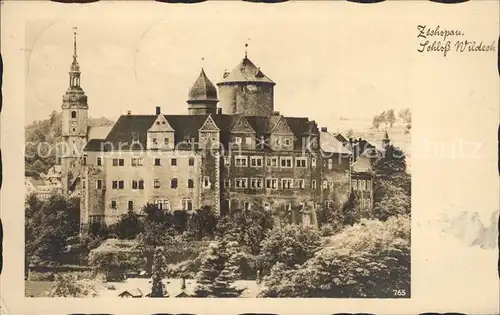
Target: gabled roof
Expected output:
[98,132]
[186,127]
[329,143]
[246,71]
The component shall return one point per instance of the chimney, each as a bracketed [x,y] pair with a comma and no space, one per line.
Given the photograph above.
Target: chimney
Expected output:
[158,110]
[276,113]
[324,129]
[129,112]
[219,111]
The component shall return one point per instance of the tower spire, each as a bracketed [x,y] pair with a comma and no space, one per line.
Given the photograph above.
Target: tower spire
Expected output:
[246,48]
[74,42]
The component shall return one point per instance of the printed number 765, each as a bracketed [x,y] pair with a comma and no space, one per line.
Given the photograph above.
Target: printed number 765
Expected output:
[399,292]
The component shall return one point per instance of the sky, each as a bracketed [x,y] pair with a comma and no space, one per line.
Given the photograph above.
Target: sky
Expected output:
[325,65]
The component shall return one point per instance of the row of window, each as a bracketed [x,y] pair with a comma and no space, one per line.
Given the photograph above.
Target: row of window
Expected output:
[273,161]
[139,184]
[277,141]
[140,161]
[164,203]
[274,183]
[361,184]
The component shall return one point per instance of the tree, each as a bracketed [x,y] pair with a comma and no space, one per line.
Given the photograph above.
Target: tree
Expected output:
[368,259]
[48,227]
[247,227]
[350,212]
[292,245]
[159,273]
[405,115]
[202,223]
[218,270]
[390,117]
[74,284]
[129,226]
[394,201]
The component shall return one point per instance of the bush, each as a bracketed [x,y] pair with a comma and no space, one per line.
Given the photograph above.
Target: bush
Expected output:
[327,230]
[74,284]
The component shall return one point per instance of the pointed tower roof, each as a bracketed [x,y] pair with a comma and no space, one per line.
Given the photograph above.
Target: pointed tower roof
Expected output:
[203,90]
[75,67]
[246,71]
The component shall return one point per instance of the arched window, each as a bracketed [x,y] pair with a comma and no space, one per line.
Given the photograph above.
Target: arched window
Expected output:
[163,204]
[73,114]
[187,204]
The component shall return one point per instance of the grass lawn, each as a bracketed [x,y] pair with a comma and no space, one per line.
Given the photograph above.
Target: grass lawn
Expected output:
[37,288]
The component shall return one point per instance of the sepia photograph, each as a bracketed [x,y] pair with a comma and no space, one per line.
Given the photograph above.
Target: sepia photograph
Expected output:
[195,180]
[232,157]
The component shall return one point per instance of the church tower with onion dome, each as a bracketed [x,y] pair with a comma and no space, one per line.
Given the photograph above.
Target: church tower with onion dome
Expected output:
[74,125]
[246,90]
[202,97]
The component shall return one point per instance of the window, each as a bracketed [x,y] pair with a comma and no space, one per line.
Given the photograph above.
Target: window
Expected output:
[256,183]
[227,160]
[328,204]
[157,162]
[121,162]
[187,204]
[99,161]
[330,164]
[313,184]
[301,162]
[256,161]
[98,184]
[286,183]
[241,183]
[190,183]
[113,204]
[248,140]
[247,205]
[155,141]
[363,184]
[330,184]
[84,160]
[130,205]
[156,183]
[313,162]
[73,114]
[136,162]
[368,203]
[114,184]
[288,141]
[286,162]
[191,161]
[325,184]
[277,141]
[302,183]
[368,185]
[206,182]
[237,140]
[240,161]
[162,204]
[115,162]
[137,184]
[354,184]
[272,183]
[121,184]
[227,182]
[272,161]
[83,184]
[166,142]
[173,183]
[173,162]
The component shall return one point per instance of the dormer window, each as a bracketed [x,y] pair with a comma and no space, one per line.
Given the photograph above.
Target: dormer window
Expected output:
[277,141]
[287,141]
[155,141]
[166,141]
[237,140]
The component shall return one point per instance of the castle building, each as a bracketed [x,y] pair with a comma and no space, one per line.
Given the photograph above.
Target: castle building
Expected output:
[240,154]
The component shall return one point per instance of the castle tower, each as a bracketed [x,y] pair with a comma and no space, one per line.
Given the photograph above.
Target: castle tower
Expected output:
[74,124]
[202,98]
[386,141]
[246,90]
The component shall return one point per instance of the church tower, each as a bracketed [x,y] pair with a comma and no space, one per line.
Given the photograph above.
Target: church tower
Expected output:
[246,90]
[74,125]
[202,97]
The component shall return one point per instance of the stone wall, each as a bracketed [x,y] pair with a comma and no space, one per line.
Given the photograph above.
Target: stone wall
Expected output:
[251,99]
